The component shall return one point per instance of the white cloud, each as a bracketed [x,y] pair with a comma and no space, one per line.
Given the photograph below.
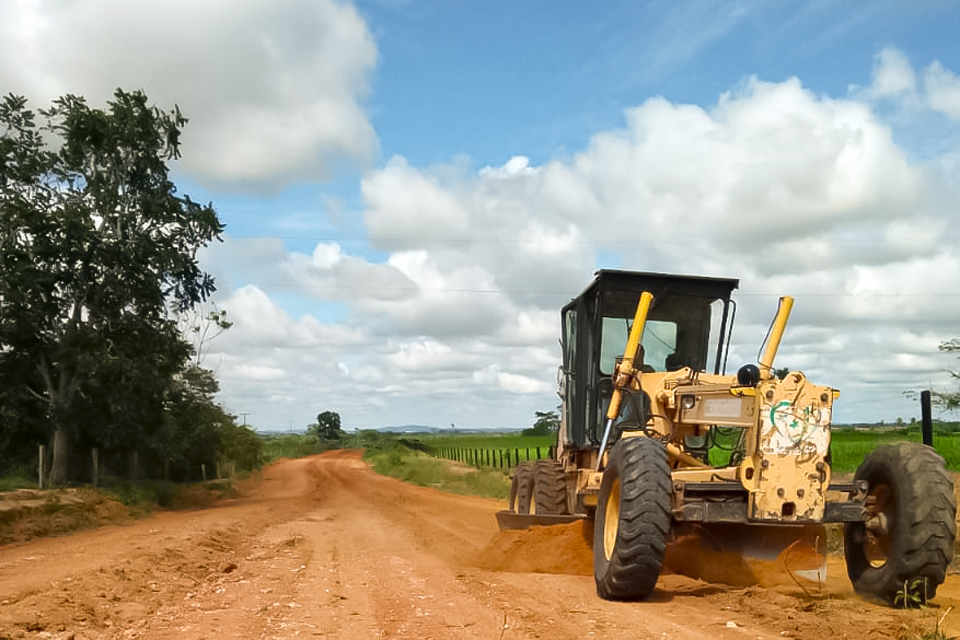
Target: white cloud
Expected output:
[327,255]
[521,384]
[407,208]
[517,165]
[274,90]
[893,76]
[794,193]
[943,90]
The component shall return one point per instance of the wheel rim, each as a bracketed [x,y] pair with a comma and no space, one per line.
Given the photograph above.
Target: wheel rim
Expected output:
[611,520]
[881,514]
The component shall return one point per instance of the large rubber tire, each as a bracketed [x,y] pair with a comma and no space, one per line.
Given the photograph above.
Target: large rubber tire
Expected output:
[549,488]
[909,533]
[632,520]
[521,488]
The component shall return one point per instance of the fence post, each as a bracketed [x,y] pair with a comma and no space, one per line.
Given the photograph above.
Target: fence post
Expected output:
[43,451]
[538,453]
[926,420]
[203,471]
[95,458]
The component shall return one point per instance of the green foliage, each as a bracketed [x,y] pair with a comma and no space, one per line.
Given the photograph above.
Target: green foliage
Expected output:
[95,248]
[420,469]
[850,446]
[21,478]
[143,497]
[278,447]
[913,594]
[240,445]
[371,440]
[327,426]
[949,400]
[547,422]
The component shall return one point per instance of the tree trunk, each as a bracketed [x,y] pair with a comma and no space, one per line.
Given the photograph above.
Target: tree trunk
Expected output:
[58,471]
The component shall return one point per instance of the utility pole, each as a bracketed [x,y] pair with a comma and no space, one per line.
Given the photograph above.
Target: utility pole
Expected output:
[244,416]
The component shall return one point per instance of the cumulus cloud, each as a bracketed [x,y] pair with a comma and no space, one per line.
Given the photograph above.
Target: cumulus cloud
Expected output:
[274,90]
[457,305]
[943,89]
[893,76]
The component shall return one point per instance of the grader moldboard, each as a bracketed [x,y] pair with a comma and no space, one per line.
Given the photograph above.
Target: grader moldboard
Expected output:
[646,413]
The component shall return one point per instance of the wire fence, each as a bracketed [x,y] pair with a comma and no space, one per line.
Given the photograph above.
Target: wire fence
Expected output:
[496,458]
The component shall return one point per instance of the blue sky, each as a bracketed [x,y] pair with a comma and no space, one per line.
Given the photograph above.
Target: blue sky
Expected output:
[413,188]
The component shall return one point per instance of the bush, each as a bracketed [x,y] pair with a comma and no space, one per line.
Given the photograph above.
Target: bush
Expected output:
[241,445]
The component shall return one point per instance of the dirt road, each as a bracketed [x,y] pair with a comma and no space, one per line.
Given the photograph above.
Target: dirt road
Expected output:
[323,547]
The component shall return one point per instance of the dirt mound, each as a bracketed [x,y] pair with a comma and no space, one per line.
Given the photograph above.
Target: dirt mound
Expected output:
[567,549]
[27,514]
[554,549]
[695,557]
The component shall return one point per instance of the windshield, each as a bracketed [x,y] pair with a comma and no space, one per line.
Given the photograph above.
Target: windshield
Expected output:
[659,343]
[681,331]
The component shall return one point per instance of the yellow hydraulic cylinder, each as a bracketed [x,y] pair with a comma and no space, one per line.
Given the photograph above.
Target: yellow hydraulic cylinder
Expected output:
[625,369]
[776,334]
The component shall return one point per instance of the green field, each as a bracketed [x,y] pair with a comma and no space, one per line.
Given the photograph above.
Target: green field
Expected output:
[848,448]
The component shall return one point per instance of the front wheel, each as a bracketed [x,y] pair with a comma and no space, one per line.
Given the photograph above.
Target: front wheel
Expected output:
[632,521]
[900,552]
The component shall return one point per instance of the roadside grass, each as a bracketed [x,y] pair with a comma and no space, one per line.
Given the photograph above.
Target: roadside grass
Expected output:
[292,445]
[145,496]
[16,481]
[849,447]
[420,469]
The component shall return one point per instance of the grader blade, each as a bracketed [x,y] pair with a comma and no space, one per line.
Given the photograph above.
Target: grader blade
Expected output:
[513,520]
[751,550]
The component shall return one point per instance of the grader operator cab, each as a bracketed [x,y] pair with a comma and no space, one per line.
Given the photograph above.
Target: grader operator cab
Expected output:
[657,442]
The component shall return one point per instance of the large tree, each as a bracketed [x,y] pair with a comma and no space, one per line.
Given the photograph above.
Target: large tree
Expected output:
[547,422]
[96,249]
[328,426]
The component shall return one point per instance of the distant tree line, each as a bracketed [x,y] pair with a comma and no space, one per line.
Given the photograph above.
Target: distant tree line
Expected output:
[98,261]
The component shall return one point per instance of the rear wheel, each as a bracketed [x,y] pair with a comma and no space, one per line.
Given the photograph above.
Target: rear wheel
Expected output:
[549,488]
[521,488]
[900,553]
[632,520]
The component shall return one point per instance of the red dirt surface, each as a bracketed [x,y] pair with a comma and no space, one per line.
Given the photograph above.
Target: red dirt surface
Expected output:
[324,547]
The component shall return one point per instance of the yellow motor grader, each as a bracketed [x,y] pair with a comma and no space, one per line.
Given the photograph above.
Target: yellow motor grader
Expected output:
[656,442]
